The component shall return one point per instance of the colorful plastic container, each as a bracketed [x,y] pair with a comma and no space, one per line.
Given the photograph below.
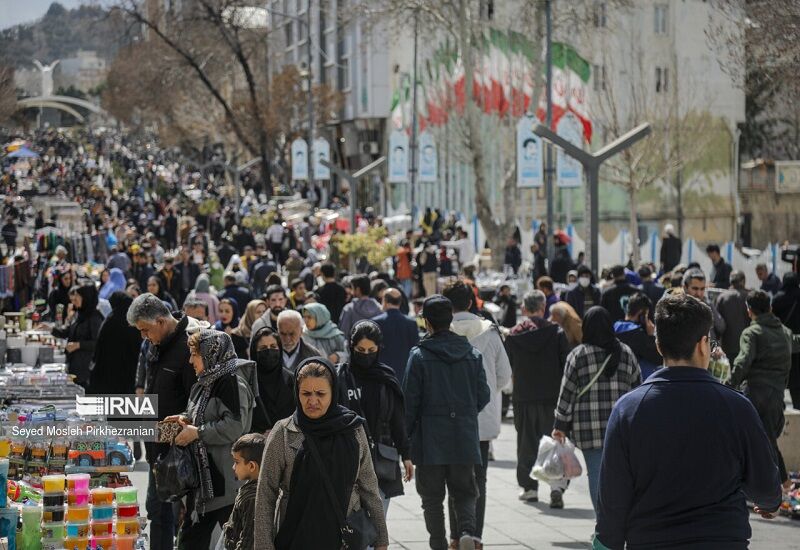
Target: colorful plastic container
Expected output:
[126,495]
[78,530]
[130,511]
[102,496]
[52,544]
[102,513]
[126,542]
[3,481]
[54,499]
[100,528]
[78,483]
[53,530]
[52,513]
[31,517]
[77,514]
[101,543]
[53,483]
[127,527]
[76,543]
[78,499]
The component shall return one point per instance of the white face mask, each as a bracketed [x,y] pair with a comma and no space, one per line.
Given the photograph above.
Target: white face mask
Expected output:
[584,281]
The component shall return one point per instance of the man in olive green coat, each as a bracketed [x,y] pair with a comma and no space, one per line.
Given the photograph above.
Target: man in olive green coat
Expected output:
[763,363]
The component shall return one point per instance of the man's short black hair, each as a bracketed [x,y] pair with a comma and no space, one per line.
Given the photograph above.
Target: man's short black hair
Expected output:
[328,270]
[296,281]
[460,294]
[274,289]
[758,301]
[681,322]
[645,272]
[693,274]
[585,270]
[712,248]
[362,283]
[617,271]
[250,447]
[638,304]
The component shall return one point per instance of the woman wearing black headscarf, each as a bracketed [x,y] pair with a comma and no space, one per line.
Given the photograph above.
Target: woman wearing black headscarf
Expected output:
[305,516]
[371,389]
[62,282]
[275,382]
[597,373]
[116,354]
[81,332]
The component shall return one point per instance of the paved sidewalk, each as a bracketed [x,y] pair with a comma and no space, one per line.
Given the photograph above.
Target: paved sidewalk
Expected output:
[511,524]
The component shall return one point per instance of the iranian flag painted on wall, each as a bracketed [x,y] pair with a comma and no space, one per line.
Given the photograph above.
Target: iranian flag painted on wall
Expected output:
[570,88]
[401,104]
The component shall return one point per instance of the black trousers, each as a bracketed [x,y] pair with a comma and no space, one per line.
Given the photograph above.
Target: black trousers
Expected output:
[532,421]
[769,406]
[198,535]
[480,503]
[459,479]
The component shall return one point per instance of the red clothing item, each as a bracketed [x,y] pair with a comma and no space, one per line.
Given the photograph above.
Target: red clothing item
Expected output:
[403,264]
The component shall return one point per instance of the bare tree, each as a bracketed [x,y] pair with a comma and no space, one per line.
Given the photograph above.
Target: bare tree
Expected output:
[8,93]
[681,133]
[216,59]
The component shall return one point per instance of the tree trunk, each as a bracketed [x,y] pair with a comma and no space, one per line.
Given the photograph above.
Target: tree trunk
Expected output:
[496,232]
[633,225]
[266,176]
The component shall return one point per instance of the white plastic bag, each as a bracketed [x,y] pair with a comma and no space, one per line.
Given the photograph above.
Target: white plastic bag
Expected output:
[556,461]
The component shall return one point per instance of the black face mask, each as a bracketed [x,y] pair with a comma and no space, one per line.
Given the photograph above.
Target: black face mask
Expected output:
[269,358]
[363,360]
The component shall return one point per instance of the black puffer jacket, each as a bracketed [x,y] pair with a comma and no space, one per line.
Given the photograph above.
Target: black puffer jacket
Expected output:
[84,329]
[537,350]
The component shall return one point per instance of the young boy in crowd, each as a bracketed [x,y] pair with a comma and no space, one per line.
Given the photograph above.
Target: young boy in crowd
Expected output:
[246,452]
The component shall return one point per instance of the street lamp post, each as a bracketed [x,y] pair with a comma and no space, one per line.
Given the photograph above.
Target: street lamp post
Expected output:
[591,166]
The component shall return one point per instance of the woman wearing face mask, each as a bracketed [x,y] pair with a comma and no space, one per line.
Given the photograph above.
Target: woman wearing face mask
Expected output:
[322,447]
[585,294]
[371,389]
[275,383]
[320,332]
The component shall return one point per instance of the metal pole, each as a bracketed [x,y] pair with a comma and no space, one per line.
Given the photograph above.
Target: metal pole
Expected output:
[593,179]
[548,157]
[413,145]
[310,106]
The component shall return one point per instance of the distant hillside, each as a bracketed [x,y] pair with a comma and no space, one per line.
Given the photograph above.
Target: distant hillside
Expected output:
[61,33]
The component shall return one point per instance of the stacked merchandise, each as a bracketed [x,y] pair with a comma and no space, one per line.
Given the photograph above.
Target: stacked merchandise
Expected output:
[791,499]
[8,516]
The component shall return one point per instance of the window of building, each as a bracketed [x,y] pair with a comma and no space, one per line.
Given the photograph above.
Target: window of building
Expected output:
[344,74]
[662,79]
[324,6]
[486,10]
[343,59]
[288,30]
[302,31]
[599,15]
[599,77]
[660,18]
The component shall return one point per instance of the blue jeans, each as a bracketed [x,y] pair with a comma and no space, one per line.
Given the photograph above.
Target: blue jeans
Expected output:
[592,458]
[162,520]
[407,285]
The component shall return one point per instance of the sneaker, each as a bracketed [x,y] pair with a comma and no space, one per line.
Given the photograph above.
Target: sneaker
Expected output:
[530,495]
[466,542]
[556,500]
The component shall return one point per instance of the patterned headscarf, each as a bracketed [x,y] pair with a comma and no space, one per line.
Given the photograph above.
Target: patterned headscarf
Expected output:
[219,360]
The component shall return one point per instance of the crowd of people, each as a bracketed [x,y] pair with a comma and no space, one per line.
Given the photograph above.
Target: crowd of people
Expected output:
[324,389]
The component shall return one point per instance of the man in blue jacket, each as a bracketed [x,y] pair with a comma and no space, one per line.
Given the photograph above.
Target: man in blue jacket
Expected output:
[445,388]
[682,452]
[400,331]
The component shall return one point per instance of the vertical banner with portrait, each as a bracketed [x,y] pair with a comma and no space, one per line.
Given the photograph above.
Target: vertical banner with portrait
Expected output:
[569,171]
[299,159]
[322,151]
[398,157]
[529,154]
[428,162]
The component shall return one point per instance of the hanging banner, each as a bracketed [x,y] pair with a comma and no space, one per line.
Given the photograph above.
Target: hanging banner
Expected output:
[569,172]
[398,157]
[529,154]
[428,162]
[299,159]
[322,151]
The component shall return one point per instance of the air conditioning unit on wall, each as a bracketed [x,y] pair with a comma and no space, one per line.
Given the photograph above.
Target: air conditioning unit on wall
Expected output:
[370,148]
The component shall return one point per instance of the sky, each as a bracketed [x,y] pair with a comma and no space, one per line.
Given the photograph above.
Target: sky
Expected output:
[14,12]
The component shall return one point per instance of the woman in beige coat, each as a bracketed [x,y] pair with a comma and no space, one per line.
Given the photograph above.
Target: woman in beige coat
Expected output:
[291,482]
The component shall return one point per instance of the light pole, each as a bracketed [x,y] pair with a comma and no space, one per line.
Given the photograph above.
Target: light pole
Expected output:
[352,180]
[591,166]
[548,155]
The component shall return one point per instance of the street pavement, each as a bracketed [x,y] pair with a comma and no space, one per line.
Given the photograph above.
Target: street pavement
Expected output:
[511,524]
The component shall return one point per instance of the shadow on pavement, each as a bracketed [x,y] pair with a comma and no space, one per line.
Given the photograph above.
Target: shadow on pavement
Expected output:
[570,513]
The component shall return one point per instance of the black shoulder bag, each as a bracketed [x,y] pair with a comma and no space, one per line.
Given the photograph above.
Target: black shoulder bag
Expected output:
[358,531]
